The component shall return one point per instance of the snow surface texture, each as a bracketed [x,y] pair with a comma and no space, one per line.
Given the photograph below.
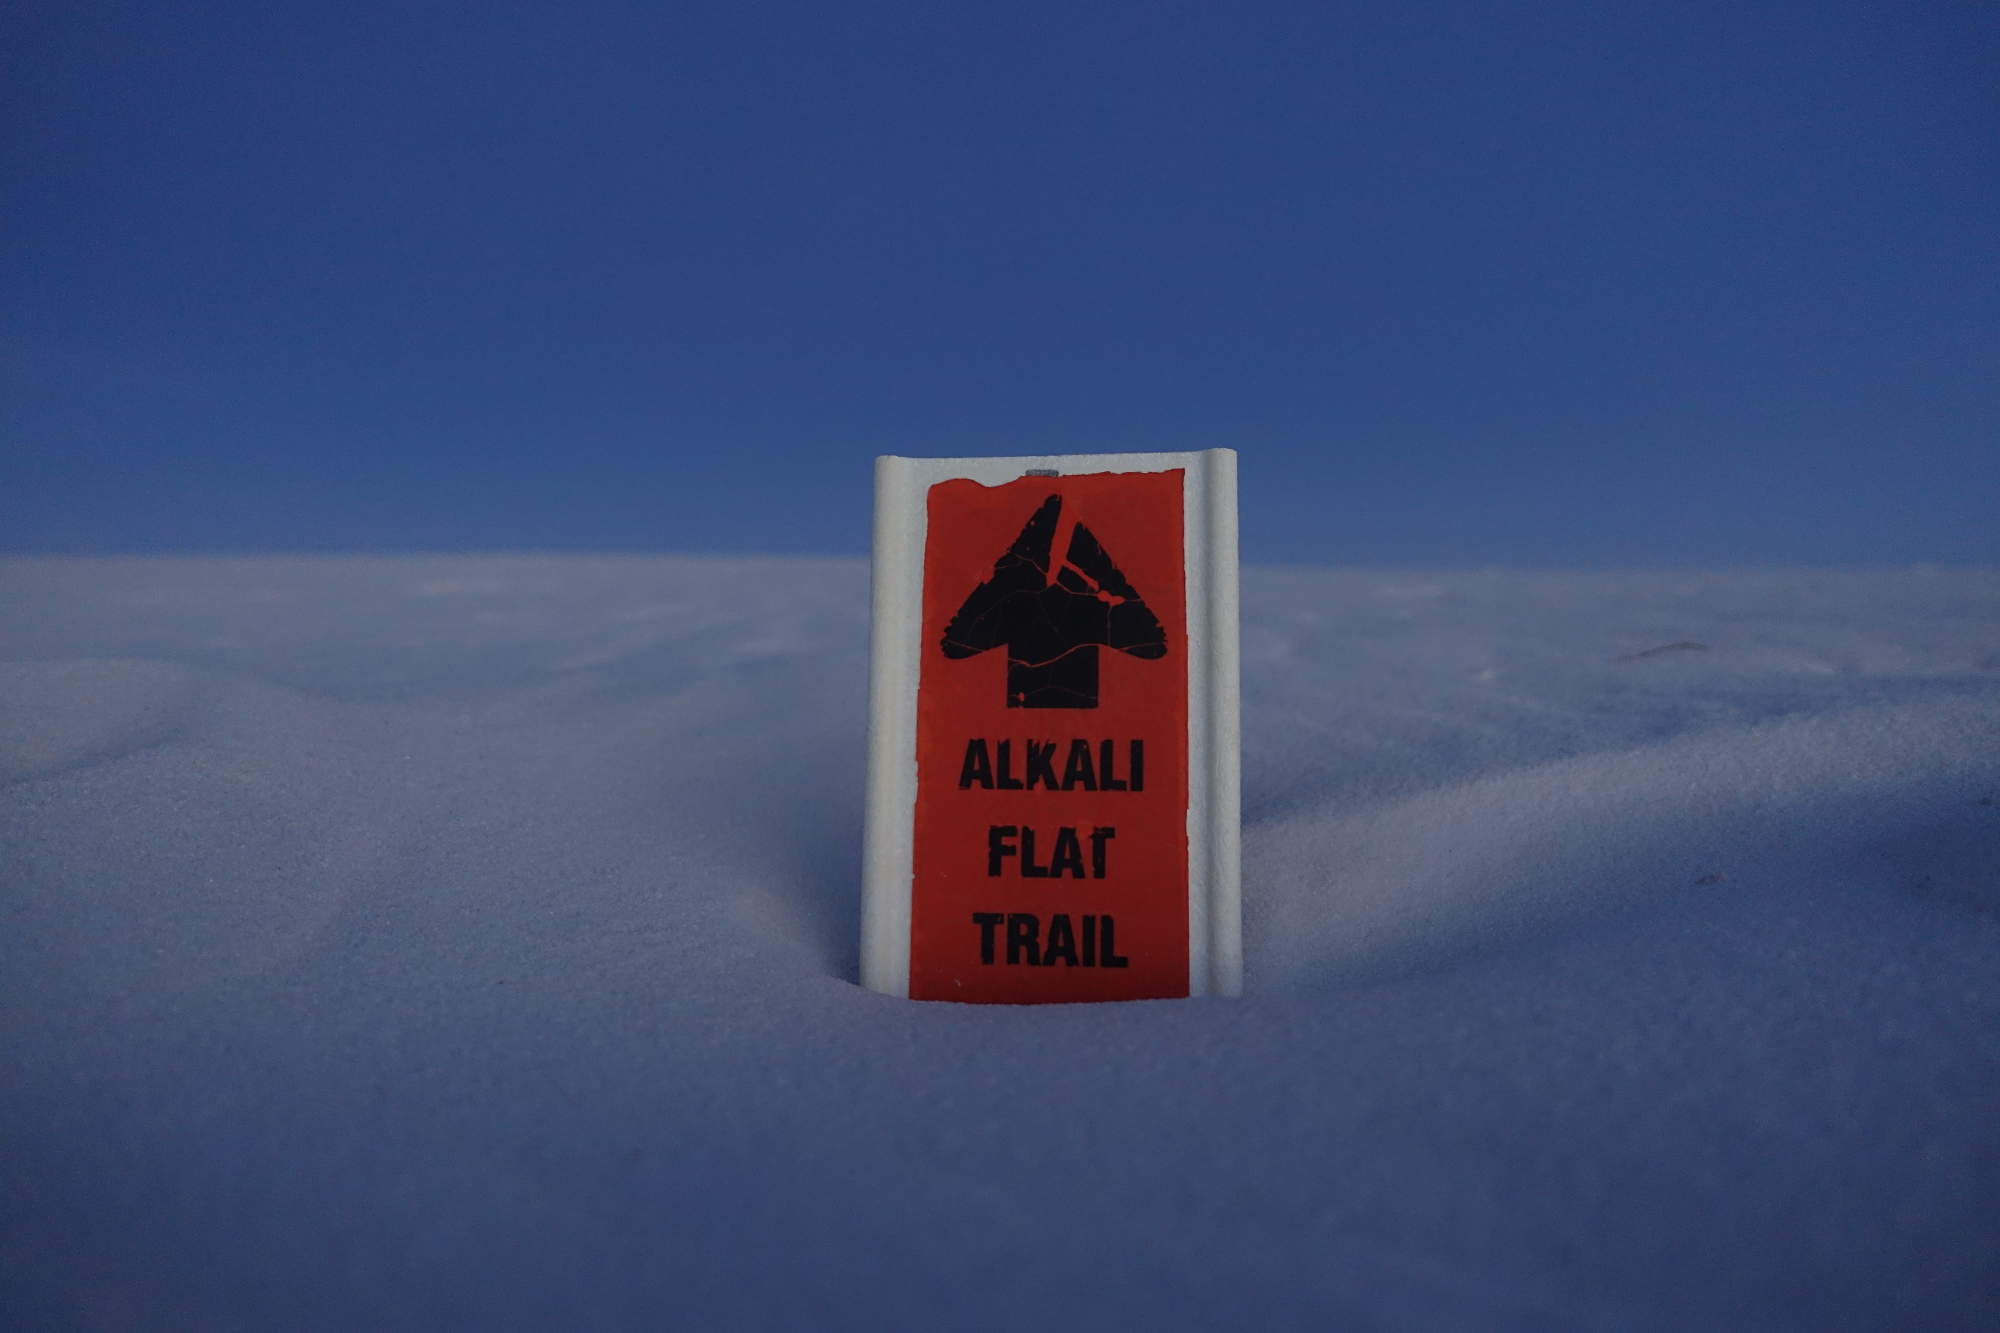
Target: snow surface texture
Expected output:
[469,943]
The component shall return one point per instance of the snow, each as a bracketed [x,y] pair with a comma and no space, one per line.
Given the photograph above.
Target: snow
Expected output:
[469,943]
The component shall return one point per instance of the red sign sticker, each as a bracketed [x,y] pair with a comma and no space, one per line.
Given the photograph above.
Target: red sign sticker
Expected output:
[1051,841]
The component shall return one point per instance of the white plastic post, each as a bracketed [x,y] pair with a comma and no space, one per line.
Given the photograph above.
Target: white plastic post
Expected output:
[974,849]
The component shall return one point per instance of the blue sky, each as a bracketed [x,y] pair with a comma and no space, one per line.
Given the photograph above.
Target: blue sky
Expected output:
[1573,284]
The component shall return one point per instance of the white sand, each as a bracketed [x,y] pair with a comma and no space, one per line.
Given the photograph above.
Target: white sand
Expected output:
[468,943]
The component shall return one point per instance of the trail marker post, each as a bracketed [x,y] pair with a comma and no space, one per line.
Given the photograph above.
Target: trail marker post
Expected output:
[1053,738]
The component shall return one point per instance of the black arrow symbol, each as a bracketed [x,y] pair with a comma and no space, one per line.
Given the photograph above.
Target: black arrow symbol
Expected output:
[1053,618]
